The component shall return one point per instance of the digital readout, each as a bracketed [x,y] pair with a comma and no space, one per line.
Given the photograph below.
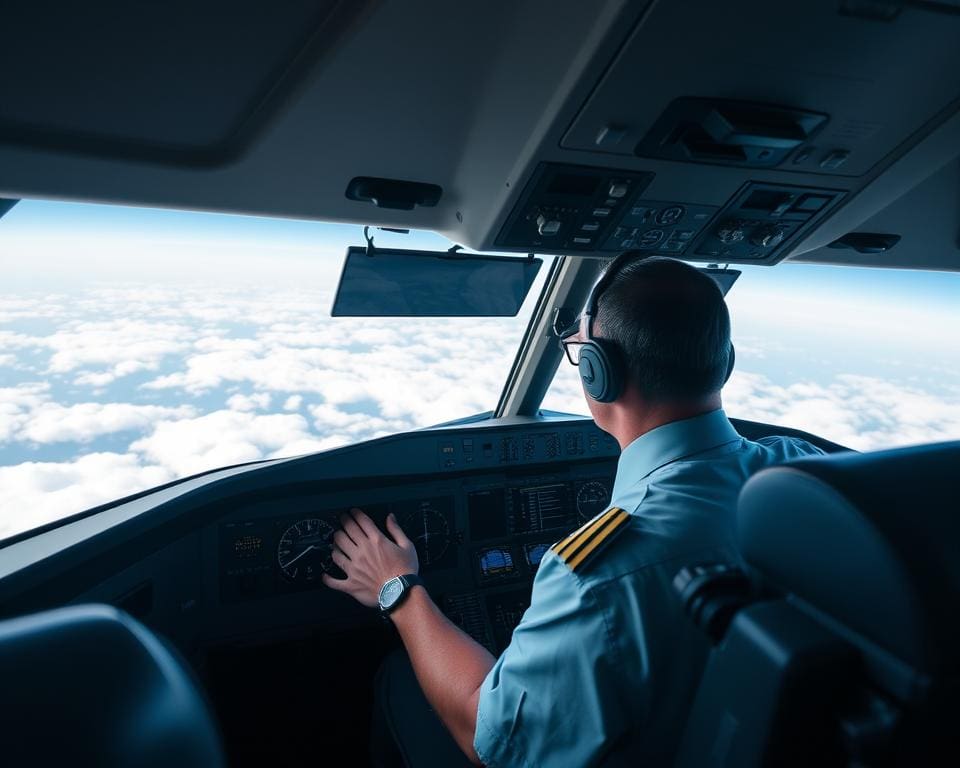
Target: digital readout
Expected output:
[495,562]
[248,546]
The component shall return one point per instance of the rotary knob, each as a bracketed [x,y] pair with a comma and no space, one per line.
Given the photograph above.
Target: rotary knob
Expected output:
[768,237]
[731,232]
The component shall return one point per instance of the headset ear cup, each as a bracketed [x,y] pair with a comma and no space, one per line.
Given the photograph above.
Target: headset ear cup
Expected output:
[731,361]
[600,372]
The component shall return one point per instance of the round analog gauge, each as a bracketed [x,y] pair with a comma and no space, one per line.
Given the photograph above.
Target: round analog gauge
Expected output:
[428,529]
[592,499]
[303,553]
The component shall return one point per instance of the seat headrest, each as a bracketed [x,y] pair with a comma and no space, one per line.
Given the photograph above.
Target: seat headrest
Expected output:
[88,685]
[872,540]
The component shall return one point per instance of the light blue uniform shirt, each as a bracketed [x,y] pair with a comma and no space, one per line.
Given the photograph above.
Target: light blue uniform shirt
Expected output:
[604,664]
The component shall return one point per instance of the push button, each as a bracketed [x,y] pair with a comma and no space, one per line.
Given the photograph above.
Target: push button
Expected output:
[670,215]
[547,226]
[617,190]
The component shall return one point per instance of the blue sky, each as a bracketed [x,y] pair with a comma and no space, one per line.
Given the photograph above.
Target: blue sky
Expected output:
[137,346]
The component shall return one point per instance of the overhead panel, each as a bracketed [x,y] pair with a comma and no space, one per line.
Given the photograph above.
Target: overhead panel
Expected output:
[752,123]
[694,80]
[571,208]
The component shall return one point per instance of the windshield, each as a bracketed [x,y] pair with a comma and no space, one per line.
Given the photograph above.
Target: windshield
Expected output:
[142,346]
[867,358]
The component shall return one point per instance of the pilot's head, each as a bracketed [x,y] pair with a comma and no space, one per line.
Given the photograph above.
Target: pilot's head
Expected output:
[658,342]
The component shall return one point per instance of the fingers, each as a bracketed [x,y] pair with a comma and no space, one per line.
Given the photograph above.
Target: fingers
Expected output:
[396,532]
[344,543]
[350,527]
[340,559]
[340,585]
[366,524]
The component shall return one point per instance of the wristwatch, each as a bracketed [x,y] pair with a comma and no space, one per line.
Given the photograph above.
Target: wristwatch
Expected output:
[394,590]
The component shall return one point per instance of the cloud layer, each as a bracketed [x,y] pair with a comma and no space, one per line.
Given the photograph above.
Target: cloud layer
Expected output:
[139,385]
[860,412]
[113,389]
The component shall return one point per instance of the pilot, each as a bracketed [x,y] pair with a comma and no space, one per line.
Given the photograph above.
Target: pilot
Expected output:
[602,668]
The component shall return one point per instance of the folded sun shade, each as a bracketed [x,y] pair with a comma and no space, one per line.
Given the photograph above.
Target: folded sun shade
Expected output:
[400,283]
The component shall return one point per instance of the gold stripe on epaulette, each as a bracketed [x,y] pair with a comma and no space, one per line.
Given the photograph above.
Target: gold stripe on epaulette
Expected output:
[564,546]
[576,559]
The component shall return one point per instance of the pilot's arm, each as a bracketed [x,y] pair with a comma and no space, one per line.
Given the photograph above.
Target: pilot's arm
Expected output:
[450,665]
[553,698]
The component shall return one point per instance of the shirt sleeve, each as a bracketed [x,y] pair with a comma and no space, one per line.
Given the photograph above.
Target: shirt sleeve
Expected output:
[550,699]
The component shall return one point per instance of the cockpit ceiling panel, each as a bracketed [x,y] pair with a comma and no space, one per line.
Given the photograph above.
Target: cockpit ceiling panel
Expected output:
[801,56]
[175,81]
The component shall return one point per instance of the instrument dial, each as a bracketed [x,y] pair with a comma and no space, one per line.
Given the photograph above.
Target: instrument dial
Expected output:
[428,530]
[592,499]
[303,553]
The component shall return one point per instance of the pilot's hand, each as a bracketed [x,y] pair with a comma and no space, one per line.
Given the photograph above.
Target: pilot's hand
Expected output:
[368,557]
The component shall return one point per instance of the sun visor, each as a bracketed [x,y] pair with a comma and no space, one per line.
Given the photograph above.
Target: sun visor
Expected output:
[402,283]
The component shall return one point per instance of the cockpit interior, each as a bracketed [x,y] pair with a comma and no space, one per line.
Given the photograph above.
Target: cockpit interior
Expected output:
[189,623]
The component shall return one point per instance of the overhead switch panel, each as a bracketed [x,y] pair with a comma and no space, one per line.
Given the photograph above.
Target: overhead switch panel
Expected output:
[761,222]
[571,208]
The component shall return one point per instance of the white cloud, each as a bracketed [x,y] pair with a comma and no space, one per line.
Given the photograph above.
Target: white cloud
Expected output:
[187,446]
[441,372]
[860,412]
[358,426]
[15,308]
[293,403]
[120,347]
[16,403]
[84,422]
[566,392]
[35,493]
[27,414]
[256,402]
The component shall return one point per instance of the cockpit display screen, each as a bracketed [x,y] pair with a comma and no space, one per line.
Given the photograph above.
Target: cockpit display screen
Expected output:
[541,508]
[534,553]
[496,561]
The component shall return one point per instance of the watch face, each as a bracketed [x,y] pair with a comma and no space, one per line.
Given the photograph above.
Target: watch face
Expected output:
[390,592]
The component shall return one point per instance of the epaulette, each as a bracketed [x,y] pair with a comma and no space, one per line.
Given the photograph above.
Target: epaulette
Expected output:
[587,541]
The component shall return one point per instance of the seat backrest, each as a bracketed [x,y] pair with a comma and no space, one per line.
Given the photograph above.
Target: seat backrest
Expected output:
[89,685]
[855,653]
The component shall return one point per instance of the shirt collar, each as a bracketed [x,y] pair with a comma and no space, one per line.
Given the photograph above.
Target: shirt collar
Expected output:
[670,442]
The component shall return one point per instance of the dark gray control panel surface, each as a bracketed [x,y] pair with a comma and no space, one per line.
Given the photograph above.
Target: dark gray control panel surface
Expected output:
[480,534]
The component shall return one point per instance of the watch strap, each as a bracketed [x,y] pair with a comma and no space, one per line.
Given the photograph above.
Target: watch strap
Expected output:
[410,580]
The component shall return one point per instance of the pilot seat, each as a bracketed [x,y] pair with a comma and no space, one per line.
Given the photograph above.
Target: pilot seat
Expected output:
[838,644]
[87,685]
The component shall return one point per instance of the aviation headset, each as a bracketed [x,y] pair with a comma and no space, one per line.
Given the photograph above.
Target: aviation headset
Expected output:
[602,367]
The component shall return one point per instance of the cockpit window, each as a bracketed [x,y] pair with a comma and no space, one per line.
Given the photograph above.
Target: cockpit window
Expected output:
[867,358]
[141,346]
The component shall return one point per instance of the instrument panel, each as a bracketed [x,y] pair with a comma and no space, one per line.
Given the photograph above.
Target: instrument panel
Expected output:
[479,539]
[235,557]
